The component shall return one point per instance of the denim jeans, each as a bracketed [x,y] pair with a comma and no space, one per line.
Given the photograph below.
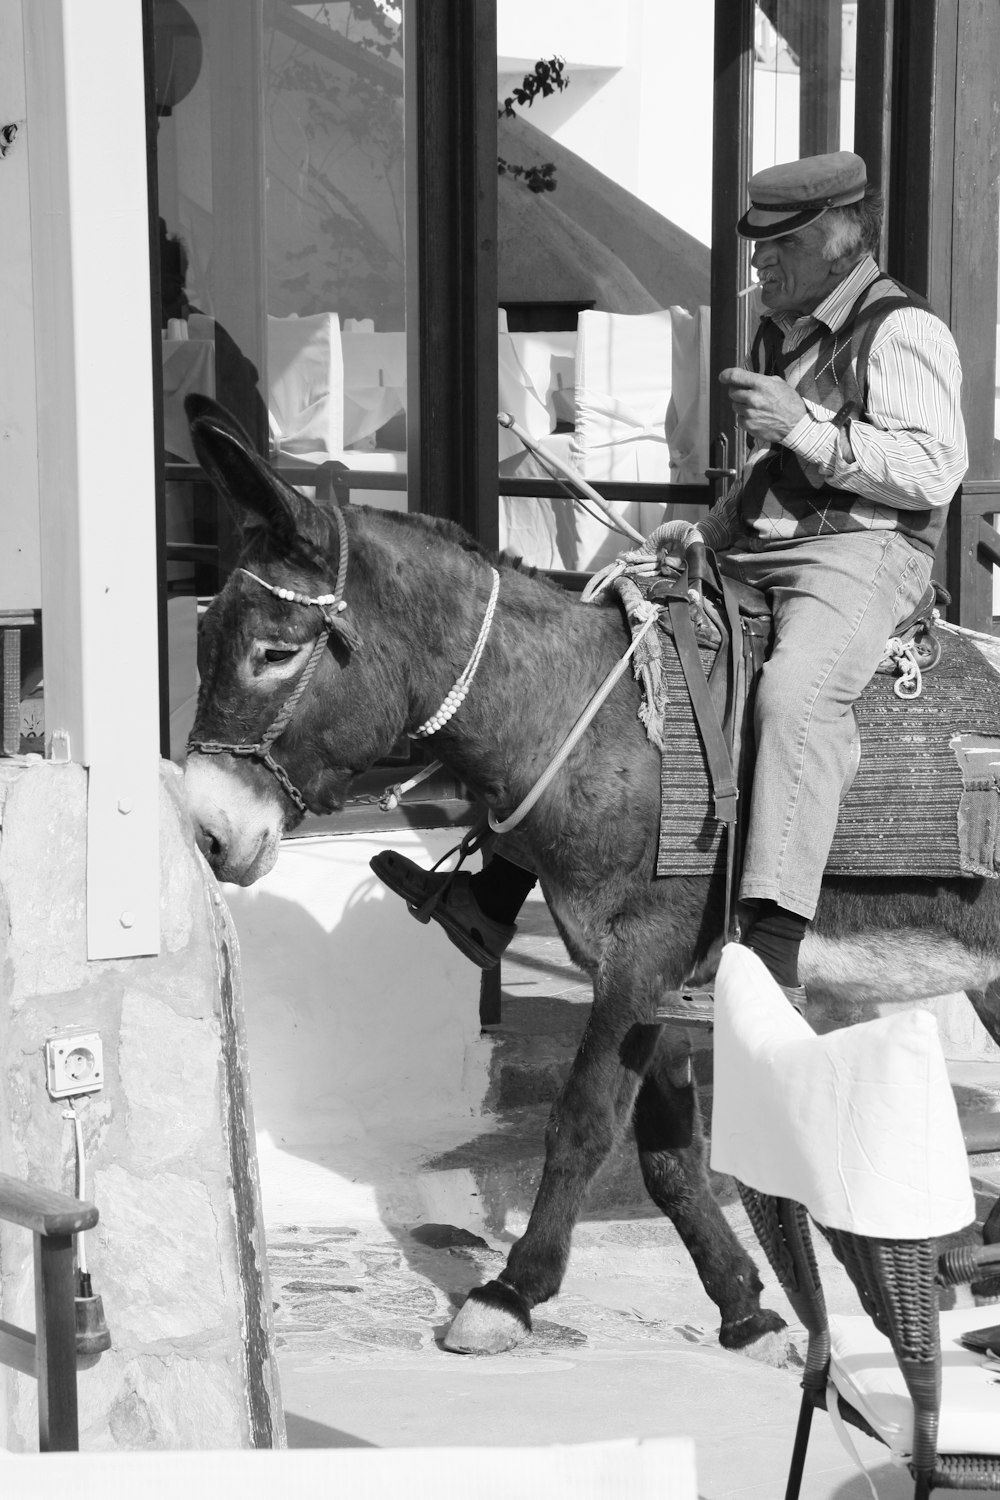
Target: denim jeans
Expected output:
[836,600]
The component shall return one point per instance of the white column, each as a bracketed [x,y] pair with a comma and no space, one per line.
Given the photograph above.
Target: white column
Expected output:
[86,138]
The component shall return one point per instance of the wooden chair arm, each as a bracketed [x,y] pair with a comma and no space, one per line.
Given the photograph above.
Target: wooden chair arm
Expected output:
[42,1210]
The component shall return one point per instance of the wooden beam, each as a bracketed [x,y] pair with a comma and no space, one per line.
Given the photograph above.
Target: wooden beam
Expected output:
[970,254]
[451,262]
[873,97]
[819,77]
[942,236]
[42,1210]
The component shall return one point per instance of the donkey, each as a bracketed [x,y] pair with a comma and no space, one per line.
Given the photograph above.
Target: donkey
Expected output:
[346,628]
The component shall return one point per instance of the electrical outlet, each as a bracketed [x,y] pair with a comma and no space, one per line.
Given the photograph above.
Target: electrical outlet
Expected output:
[74,1064]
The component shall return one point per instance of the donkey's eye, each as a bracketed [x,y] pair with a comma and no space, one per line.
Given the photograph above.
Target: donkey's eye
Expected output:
[280,653]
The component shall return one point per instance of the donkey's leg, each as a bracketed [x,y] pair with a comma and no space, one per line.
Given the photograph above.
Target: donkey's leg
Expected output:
[671,1146]
[591,1111]
[986,1004]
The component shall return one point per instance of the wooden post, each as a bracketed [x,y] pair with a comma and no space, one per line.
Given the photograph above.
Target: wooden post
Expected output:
[819,77]
[55,1348]
[873,96]
[732,112]
[90,261]
[50,1356]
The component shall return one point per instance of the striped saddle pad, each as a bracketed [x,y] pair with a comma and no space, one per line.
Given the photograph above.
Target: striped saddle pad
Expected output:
[925,800]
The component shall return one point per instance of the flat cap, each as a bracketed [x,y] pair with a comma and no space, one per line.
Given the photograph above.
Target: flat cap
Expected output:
[786,197]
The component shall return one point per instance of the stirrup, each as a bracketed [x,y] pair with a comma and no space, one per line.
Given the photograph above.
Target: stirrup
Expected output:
[445,898]
[686,1008]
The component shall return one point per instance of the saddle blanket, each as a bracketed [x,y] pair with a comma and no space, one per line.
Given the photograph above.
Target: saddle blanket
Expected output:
[925,801]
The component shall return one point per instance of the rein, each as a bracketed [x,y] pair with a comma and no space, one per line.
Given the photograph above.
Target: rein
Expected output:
[521,811]
[331,607]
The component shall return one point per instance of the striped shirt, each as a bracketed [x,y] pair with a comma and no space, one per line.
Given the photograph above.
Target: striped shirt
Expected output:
[910,451]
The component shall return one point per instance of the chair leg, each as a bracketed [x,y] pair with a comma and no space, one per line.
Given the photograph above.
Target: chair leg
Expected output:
[799,1450]
[922,1488]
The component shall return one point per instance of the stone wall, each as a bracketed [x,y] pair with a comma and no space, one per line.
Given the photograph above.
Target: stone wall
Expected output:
[178,1255]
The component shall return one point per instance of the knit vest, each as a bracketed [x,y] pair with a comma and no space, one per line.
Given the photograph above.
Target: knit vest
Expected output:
[837,379]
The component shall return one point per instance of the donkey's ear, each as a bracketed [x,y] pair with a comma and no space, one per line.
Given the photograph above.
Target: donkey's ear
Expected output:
[227,454]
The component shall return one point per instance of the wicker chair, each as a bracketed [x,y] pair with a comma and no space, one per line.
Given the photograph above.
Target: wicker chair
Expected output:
[898,1280]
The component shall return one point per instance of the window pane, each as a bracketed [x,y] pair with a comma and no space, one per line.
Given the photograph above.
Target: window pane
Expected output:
[803,79]
[280,180]
[604,230]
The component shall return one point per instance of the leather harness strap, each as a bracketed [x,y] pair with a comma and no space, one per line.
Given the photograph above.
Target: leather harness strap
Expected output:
[331,607]
[716,739]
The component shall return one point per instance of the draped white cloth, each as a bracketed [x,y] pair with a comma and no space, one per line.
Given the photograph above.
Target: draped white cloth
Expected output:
[305,385]
[859,1125]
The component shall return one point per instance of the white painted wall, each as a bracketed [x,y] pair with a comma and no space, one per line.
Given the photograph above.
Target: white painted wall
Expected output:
[363,1024]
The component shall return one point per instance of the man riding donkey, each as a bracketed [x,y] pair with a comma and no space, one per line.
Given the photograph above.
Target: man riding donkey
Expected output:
[851,398]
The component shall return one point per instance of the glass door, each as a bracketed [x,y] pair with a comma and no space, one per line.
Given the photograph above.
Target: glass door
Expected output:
[279,169]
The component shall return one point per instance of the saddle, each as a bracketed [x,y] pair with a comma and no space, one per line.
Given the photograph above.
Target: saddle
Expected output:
[706,607]
[924,797]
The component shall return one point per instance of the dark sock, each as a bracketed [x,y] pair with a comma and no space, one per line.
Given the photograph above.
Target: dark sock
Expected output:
[501,889]
[775,937]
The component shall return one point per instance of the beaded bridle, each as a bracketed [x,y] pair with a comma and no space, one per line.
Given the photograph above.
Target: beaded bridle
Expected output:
[332,608]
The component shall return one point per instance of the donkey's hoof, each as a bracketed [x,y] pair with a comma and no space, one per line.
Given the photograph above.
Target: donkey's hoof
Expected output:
[749,1330]
[492,1318]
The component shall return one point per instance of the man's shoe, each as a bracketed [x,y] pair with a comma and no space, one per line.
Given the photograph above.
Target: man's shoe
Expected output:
[449,900]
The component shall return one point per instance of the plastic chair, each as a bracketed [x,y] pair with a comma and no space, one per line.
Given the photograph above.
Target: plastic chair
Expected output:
[859,1131]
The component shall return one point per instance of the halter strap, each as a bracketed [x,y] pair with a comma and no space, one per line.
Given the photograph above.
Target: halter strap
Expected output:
[331,607]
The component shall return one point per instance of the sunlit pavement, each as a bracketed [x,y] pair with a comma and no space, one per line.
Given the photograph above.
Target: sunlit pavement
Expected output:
[367,1270]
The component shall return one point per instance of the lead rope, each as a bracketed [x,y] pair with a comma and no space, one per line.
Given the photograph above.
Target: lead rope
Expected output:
[568,745]
[476,837]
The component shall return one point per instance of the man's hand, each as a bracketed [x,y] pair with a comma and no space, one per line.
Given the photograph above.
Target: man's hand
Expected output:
[765,405]
[670,542]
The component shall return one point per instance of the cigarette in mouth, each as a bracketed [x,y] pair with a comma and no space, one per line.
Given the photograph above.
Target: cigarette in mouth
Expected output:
[746,290]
